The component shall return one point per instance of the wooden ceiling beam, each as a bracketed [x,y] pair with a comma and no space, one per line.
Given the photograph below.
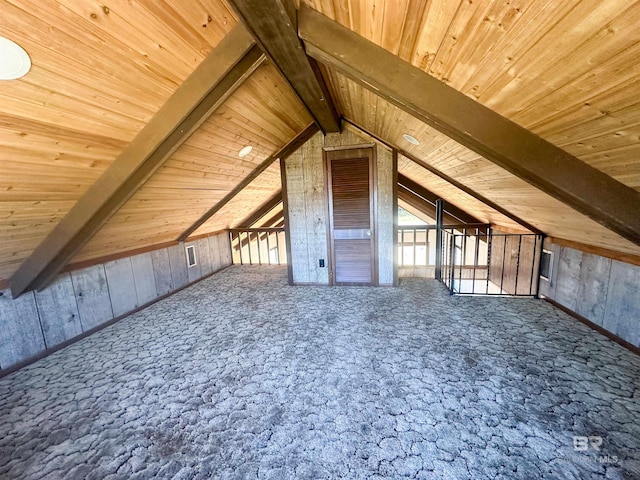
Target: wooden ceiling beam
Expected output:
[273,25]
[211,83]
[457,213]
[284,152]
[424,206]
[261,211]
[517,150]
[274,220]
[450,180]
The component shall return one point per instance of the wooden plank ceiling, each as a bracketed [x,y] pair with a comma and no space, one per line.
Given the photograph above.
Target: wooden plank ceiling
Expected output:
[263,113]
[566,70]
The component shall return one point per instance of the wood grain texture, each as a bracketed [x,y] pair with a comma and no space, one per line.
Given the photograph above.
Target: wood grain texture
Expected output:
[297,218]
[315,208]
[275,31]
[500,140]
[207,167]
[622,310]
[594,287]
[567,71]
[92,296]
[162,271]
[525,201]
[122,286]
[58,311]
[209,85]
[178,265]
[204,256]
[21,335]
[142,266]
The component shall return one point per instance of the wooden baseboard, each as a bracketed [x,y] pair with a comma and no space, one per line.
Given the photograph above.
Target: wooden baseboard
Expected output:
[619,340]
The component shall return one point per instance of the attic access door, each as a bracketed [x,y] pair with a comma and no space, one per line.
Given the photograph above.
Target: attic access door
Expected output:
[352,239]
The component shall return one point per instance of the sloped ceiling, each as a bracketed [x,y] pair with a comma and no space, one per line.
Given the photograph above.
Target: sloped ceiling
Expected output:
[566,70]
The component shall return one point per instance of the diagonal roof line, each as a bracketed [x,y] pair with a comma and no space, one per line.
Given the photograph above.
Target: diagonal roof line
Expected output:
[448,179]
[262,210]
[501,141]
[226,67]
[273,25]
[285,151]
[427,195]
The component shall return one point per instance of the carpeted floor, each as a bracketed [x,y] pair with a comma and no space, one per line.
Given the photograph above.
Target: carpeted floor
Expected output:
[242,376]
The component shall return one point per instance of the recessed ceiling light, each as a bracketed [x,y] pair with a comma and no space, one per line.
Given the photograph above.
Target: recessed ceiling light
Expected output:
[411,139]
[245,151]
[14,61]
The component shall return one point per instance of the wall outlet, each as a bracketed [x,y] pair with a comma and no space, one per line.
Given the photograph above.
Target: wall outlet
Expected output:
[321,262]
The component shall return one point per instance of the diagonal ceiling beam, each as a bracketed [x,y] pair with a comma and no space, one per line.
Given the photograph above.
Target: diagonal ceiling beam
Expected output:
[261,211]
[212,82]
[272,23]
[274,220]
[517,150]
[457,213]
[452,181]
[423,205]
[285,151]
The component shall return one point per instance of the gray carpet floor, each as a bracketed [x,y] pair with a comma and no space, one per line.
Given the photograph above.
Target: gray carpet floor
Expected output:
[242,376]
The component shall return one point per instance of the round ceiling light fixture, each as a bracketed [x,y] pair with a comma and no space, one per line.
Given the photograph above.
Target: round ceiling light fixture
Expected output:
[411,139]
[14,61]
[245,151]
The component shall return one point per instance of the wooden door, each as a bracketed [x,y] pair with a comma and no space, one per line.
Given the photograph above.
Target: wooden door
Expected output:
[350,179]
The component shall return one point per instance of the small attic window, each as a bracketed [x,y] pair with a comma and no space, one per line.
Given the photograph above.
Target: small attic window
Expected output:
[191,256]
[546,264]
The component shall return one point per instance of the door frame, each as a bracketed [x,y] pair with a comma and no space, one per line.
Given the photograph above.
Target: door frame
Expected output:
[343,153]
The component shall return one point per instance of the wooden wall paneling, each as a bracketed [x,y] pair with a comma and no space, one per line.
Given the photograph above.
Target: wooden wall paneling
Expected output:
[286,236]
[385,196]
[530,263]
[568,278]
[21,335]
[122,286]
[593,287]
[548,287]
[315,209]
[142,266]
[162,271]
[297,218]
[58,311]
[204,256]
[385,215]
[622,310]
[214,252]
[224,246]
[178,264]
[92,296]
[194,273]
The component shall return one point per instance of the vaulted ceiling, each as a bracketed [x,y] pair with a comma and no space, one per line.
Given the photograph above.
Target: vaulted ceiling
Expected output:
[566,71]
